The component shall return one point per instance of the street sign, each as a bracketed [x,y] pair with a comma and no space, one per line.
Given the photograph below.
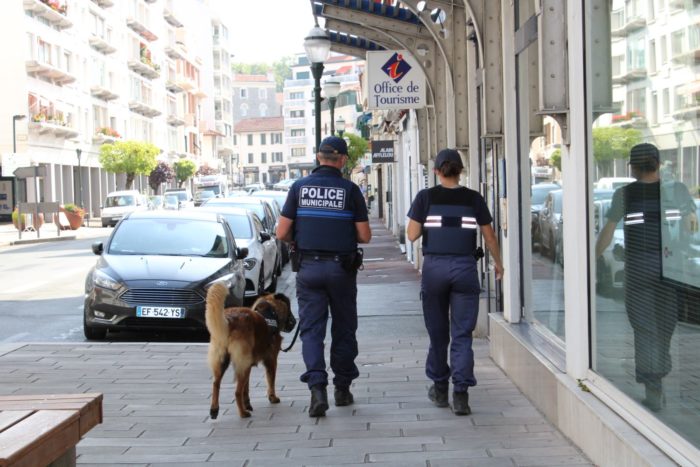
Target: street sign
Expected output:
[28,172]
[382,151]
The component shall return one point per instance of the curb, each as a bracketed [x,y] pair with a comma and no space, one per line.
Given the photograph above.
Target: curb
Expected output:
[30,241]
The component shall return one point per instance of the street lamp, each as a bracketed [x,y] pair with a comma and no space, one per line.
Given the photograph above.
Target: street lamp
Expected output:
[331,89]
[14,151]
[340,126]
[318,46]
[79,152]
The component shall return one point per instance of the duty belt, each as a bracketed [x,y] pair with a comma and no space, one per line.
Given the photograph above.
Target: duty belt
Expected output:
[323,256]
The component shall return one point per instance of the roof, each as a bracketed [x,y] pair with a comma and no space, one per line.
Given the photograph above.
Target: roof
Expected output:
[252,78]
[251,125]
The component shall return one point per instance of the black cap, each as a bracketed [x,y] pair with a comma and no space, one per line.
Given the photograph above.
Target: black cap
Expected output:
[333,145]
[644,153]
[448,155]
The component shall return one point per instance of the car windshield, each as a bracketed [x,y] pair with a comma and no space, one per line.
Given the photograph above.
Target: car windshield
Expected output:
[169,237]
[539,193]
[204,194]
[119,201]
[240,225]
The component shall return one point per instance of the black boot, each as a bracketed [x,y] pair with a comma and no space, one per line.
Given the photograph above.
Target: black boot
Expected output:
[460,403]
[319,401]
[655,398]
[438,394]
[343,396]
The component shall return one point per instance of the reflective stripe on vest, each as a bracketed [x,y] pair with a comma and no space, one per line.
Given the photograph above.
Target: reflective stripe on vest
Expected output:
[437,221]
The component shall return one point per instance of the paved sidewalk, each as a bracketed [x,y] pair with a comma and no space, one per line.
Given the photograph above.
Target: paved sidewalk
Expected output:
[48,233]
[157,398]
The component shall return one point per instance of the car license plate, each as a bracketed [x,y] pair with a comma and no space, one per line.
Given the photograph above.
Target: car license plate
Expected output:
[159,312]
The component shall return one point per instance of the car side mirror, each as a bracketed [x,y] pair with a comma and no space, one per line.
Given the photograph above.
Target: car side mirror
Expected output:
[241,253]
[264,236]
[97,248]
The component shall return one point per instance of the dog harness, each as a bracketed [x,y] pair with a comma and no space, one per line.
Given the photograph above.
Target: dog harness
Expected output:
[270,318]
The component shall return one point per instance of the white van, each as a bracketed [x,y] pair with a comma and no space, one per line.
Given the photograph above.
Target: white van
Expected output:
[120,203]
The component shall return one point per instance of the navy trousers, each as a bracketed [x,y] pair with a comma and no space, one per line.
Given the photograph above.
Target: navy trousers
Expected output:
[450,292]
[324,284]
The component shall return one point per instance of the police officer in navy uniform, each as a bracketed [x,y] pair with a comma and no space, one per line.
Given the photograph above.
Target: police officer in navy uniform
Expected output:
[447,217]
[325,216]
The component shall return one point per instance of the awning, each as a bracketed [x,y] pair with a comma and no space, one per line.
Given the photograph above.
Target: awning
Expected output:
[250,170]
[277,168]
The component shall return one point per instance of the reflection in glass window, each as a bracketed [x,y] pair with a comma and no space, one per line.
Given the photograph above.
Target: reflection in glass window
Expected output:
[646,269]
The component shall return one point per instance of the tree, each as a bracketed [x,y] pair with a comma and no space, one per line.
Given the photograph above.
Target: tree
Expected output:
[357,147]
[555,159]
[281,69]
[206,170]
[129,157]
[162,173]
[183,170]
[610,143]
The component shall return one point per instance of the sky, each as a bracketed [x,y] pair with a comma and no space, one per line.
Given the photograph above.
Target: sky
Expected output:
[265,30]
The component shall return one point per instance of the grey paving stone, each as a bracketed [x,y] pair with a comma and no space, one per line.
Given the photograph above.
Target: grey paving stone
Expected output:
[429,456]
[143,458]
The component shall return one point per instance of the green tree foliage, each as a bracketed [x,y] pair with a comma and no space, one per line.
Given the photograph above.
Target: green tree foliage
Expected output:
[129,157]
[357,147]
[184,169]
[281,70]
[555,159]
[610,143]
[162,173]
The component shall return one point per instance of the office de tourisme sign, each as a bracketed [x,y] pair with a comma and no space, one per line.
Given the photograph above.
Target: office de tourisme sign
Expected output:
[395,81]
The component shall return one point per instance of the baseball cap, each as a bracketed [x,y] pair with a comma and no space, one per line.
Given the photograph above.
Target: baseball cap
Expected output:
[448,155]
[333,145]
[643,153]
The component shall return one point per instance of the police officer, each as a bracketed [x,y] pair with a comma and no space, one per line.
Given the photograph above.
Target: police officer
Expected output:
[325,216]
[447,217]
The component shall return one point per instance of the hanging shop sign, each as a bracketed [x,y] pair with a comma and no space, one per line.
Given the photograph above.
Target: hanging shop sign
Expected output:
[395,81]
[382,151]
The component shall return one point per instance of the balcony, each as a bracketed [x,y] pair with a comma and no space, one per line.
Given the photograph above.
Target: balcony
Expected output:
[106,135]
[689,57]
[103,3]
[625,77]
[56,17]
[173,87]
[631,119]
[56,75]
[622,25]
[174,119]
[140,28]
[294,121]
[171,18]
[296,140]
[103,93]
[224,146]
[101,45]
[52,127]
[185,82]
[143,69]
[198,92]
[176,52]
[143,108]
[191,120]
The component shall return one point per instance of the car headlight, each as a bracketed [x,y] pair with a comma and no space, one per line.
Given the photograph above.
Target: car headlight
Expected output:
[249,263]
[106,282]
[226,280]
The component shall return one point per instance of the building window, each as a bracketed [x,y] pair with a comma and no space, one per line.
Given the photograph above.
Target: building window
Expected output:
[298,152]
[243,93]
[250,158]
[276,138]
[298,95]
[263,110]
[296,114]
[244,110]
[264,177]
[250,139]
[263,139]
[263,158]
[262,93]
[302,75]
[298,132]
[276,157]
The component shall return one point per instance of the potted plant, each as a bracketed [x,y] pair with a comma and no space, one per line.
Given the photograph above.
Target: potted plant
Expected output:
[74,214]
[21,223]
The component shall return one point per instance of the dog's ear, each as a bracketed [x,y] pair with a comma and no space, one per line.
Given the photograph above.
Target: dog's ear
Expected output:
[283,298]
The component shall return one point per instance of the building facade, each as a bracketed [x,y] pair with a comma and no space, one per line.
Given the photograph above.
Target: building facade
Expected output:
[89,72]
[259,150]
[254,96]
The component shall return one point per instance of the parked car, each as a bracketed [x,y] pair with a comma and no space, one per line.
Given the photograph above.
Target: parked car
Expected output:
[277,199]
[184,196]
[612,183]
[201,196]
[260,265]
[154,271]
[254,187]
[155,202]
[284,185]
[538,192]
[264,211]
[120,203]
[171,202]
[550,222]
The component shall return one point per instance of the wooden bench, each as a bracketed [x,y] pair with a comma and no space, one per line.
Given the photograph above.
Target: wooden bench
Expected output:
[43,430]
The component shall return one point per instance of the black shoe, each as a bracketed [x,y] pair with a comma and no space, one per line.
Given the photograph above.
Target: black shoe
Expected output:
[460,403]
[319,401]
[655,398]
[438,395]
[343,396]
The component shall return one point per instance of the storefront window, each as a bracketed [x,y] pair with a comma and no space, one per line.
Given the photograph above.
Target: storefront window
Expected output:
[644,161]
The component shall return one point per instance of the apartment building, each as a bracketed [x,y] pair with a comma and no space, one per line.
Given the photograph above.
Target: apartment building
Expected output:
[254,96]
[298,109]
[223,99]
[259,150]
[87,72]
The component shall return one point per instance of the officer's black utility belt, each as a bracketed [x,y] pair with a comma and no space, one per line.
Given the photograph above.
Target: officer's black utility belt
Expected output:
[351,262]
[323,256]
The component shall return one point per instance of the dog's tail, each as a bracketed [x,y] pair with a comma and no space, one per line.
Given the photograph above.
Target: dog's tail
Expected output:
[216,323]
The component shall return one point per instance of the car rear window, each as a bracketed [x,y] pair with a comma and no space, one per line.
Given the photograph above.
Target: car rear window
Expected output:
[169,237]
[240,225]
[119,201]
[256,207]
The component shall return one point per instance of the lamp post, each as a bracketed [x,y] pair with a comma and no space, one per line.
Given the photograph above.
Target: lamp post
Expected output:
[340,126]
[15,184]
[331,89]
[79,152]
[318,46]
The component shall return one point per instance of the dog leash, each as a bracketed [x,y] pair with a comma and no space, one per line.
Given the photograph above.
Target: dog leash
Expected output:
[294,339]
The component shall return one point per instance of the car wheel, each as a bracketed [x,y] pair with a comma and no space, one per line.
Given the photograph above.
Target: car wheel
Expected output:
[93,333]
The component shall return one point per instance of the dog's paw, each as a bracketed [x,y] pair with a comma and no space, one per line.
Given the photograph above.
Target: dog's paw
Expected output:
[213,413]
[247,405]
[244,414]
[273,399]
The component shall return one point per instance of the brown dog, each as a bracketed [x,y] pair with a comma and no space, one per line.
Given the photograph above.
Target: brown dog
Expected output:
[244,337]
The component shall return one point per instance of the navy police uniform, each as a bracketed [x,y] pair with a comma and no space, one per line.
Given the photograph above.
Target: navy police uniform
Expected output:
[325,207]
[450,283]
